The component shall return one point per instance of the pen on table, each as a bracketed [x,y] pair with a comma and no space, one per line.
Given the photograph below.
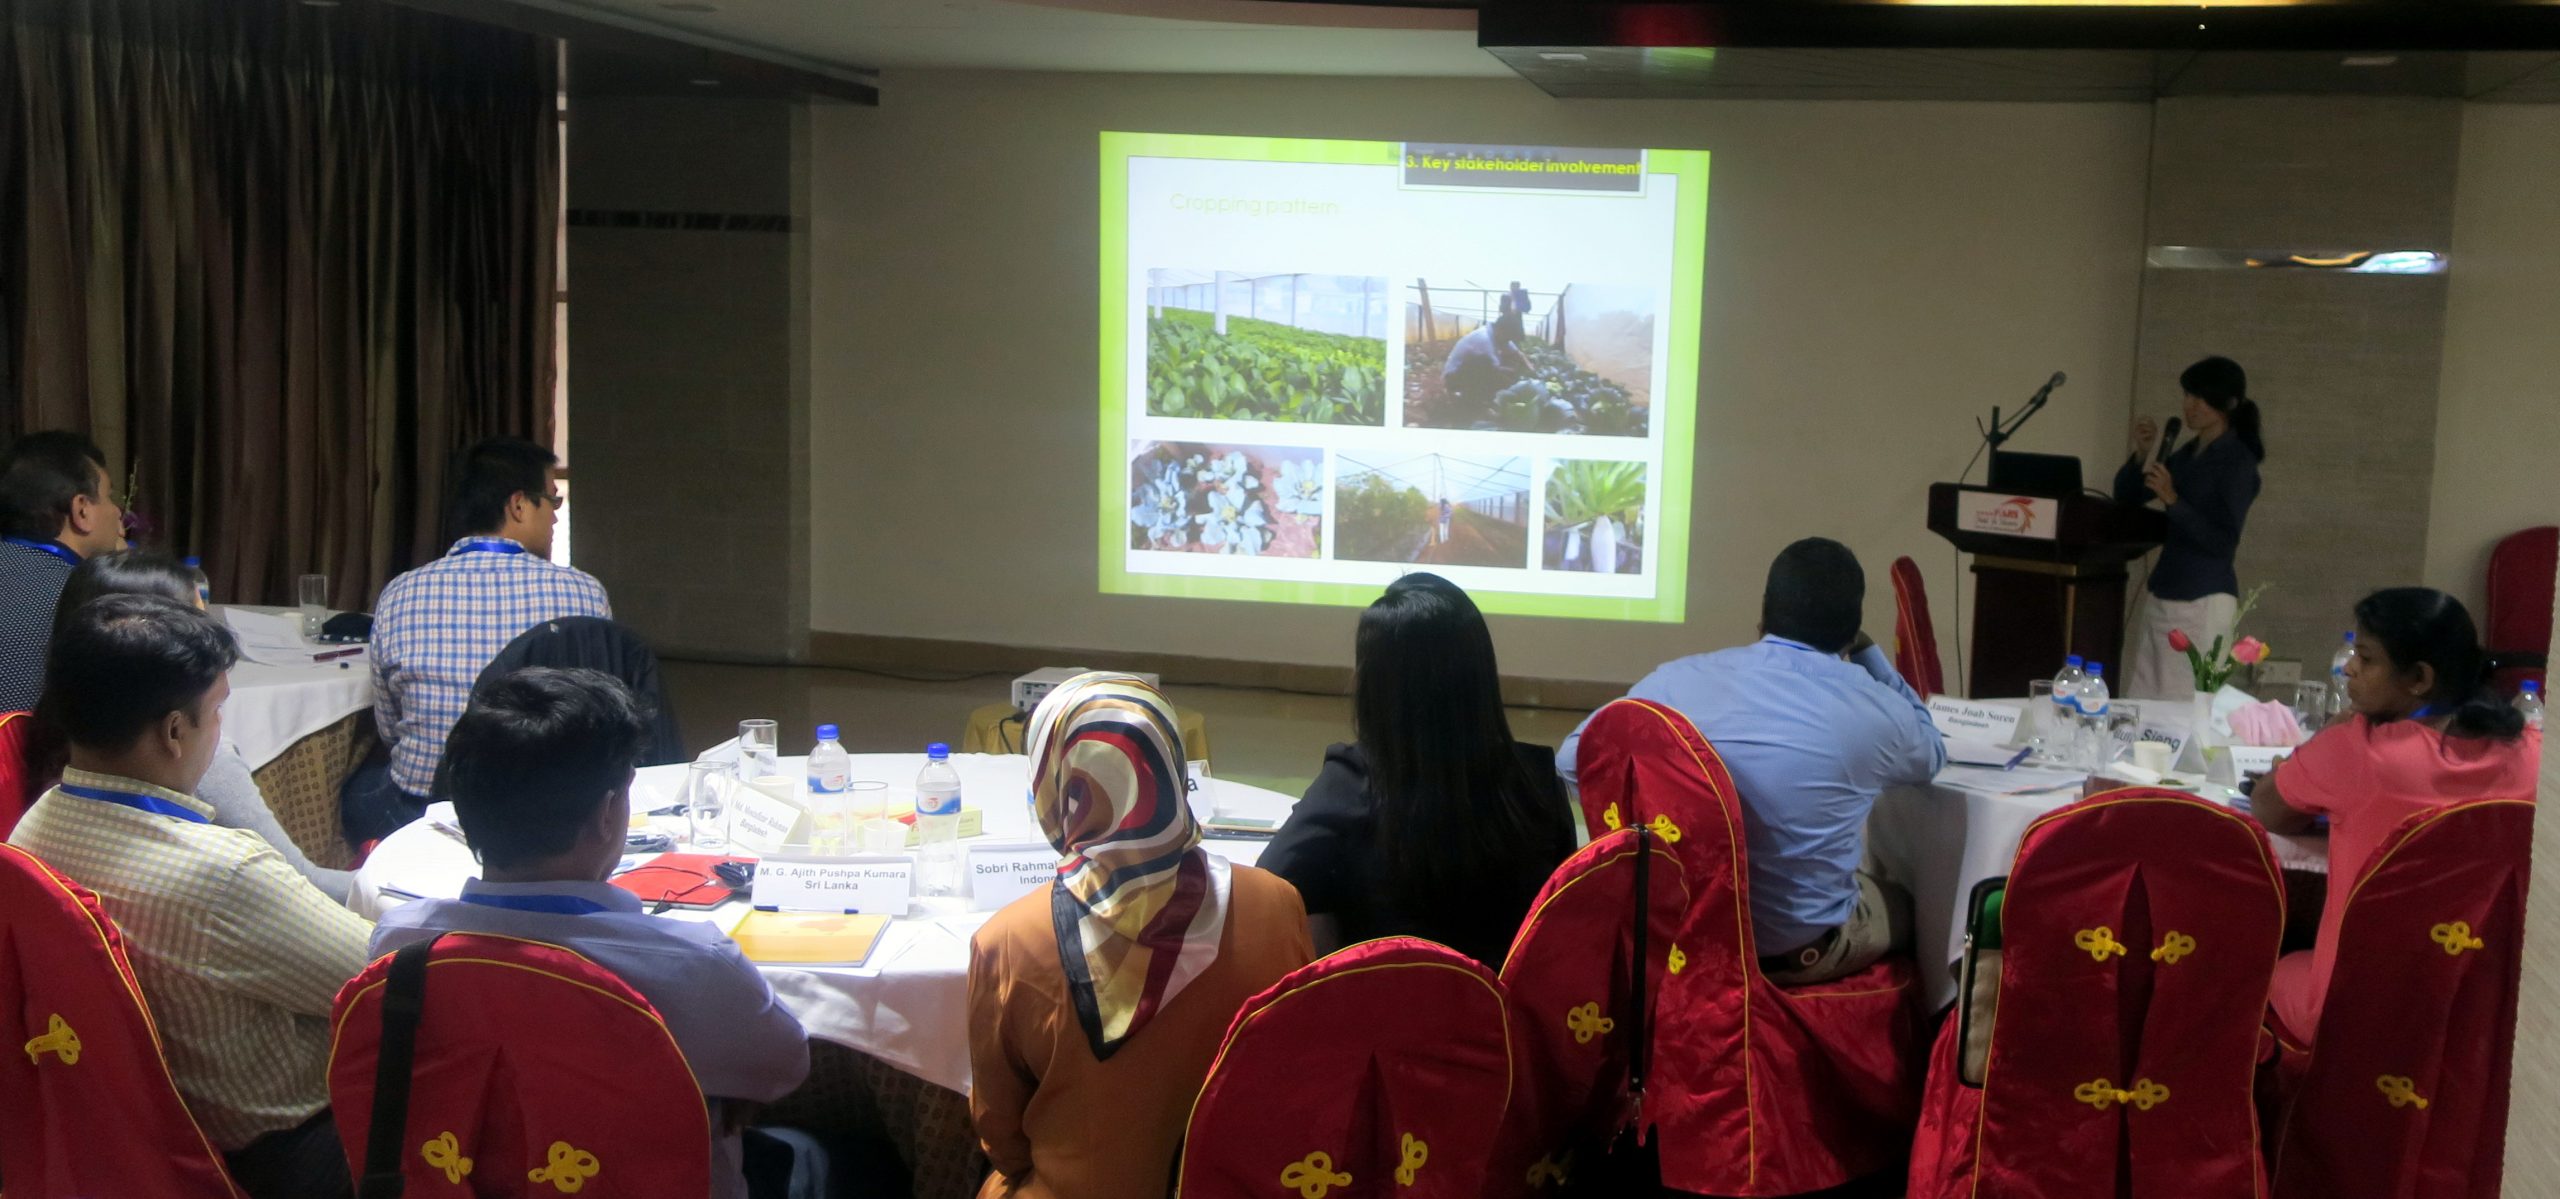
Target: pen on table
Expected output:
[397,893]
[335,654]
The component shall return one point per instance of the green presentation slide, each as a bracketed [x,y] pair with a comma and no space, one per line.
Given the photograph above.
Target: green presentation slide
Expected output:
[1326,364]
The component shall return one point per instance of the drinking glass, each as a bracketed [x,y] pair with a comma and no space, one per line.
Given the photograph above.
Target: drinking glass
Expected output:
[759,750]
[2039,722]
[706,804]
[866,799]
[2310,704]
[312,592]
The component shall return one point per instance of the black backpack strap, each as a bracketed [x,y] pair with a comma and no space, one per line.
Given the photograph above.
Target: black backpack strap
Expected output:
[1639,1042]
[404,997]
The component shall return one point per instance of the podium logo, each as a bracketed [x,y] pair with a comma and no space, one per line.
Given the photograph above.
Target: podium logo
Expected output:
[2007,516]
[2016,514]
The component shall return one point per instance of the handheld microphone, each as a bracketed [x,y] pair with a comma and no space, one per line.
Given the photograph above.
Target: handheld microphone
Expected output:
[2168,437]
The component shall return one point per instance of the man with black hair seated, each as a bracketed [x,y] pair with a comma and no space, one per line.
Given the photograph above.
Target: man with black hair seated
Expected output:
[540,770]
[1814,723]
[239,956]
[56,508]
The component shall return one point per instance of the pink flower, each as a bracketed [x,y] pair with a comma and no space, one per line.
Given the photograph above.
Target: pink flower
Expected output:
[2178,641]
[2249,652]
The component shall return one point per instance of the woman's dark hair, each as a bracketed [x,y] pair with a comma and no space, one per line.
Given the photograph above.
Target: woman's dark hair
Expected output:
[2224,387]
[1456,809]
[2421,624]
[124,572]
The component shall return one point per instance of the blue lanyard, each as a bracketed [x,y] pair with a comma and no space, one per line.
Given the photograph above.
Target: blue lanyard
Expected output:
[488,545]
[147,803]
[2427,711]
[55,548]
[558,905]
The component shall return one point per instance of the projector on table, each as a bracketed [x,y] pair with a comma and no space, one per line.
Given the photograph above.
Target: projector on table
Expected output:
[1031,688]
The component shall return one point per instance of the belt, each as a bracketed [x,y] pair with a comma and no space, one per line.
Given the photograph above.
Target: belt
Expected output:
[1799,959]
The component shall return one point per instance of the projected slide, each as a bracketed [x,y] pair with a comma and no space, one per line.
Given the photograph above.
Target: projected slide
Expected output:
[1327,363]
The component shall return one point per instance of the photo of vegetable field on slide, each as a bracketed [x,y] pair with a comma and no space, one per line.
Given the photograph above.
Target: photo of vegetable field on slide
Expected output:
[1226,345]
[1505,356]
[1433,509]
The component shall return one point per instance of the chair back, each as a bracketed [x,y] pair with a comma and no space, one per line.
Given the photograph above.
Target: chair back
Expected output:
[2137,938]
[1761,1090]
[1381,1070]
[91,1108]
[17,768]
[1915,637]
[2517,625]
[1571,977]
[2406,1090]
[597,643]
[534,1072]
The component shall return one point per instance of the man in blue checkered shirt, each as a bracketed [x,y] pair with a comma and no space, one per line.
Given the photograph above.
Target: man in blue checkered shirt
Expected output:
[437,626]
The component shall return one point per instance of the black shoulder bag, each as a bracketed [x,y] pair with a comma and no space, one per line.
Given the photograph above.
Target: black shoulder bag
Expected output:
[404,997]
[1631,1161]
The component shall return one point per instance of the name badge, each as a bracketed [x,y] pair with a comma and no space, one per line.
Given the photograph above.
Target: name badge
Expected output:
[2247,760]
[874,885]
[1978,720]
[1000,874]
[763,822]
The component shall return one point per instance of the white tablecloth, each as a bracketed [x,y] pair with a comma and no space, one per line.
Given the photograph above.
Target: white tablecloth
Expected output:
[1938,841]
[910,1007]
[271,707]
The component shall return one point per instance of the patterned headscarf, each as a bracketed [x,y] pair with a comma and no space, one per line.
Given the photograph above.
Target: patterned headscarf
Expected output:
[1139,910]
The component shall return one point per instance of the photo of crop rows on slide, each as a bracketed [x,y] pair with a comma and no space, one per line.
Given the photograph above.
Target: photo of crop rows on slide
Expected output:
[1309,349]
[1434,509]
[1575,358]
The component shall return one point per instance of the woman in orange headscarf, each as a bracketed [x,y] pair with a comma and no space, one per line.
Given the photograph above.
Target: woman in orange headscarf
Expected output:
[1096,1004]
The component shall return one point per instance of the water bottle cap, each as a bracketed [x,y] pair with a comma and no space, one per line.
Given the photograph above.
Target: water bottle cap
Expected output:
[826,732]
[2073,660]
[193,562]
[937,751]
[2097,668]
[2532,688]
[2351,636]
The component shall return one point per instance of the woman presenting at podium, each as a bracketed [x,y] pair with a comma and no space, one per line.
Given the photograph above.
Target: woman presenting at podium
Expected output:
[2206,486]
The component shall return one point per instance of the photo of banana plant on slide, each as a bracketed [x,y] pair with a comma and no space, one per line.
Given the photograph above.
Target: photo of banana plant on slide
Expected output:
[1595,517]
[1434,509]
[1227,345]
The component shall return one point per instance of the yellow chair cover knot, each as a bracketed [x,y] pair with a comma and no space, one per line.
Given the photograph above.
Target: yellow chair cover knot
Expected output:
[2102,1094]
[2455,937]
[58,1040]
[569,1168]
[2098,942]
[1416,1153]
[2401,1090]
[1314,1176]
[1665,829]
[1586,1022]
[1609,816]
[445,1153]
[1550,1170]
[1679,960]
[2172,947]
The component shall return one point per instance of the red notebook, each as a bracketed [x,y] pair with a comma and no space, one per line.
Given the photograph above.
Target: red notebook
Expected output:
[681,880]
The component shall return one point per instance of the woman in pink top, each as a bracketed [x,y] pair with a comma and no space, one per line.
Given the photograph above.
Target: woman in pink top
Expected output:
[2427,732]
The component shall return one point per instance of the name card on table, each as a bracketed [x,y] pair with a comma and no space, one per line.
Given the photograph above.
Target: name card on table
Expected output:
[872,884]
[762,822]
[2247,760]
[2007,515]
[1974,719]
[1000,874]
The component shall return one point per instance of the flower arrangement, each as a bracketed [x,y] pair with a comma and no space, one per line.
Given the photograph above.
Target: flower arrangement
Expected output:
[2213,667]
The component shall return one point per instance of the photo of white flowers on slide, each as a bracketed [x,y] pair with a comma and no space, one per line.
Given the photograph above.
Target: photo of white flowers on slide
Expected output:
[1595,517]
[1194,497]
[1235,345]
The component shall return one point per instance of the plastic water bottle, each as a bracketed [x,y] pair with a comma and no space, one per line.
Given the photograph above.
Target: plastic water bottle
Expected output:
[2058,724]
[204,586]
[2338,674]
[2091,704]
[830,768]
[2529,702]
[938,823]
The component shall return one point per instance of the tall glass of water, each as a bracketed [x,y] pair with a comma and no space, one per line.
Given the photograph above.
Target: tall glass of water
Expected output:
[706,804]
[2039,719]
[312,591]
[759,750]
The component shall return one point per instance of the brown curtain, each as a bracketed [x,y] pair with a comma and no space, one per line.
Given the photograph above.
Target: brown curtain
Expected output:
[280,261]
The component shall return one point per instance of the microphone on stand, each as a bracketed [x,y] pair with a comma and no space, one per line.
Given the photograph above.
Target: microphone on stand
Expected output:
[2168,437]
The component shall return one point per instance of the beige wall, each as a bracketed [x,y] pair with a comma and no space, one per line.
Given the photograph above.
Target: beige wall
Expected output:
[2498,418]
[1877,275]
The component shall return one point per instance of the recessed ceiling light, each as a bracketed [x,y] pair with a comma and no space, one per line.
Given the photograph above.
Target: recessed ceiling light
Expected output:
[320,3]
[688,6]
[2369,60]
[706,82]
[1563,56]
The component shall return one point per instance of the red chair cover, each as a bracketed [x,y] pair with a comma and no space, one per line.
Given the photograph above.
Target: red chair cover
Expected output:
[90,1107]
[537,1072]
[2518,622]
[17,773]
[1382,1070]
[2138,935]
[1571,979]
[1756,1089]
[2403,1092]
[1915,637]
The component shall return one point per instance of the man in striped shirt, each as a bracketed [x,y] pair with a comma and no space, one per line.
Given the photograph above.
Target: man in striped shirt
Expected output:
[436,627]
[239,956]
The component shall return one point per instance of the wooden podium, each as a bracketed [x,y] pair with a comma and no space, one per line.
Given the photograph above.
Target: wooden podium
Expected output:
[2049,578]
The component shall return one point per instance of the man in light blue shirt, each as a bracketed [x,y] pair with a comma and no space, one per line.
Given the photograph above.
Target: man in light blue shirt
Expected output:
[1814,723]
[541,779]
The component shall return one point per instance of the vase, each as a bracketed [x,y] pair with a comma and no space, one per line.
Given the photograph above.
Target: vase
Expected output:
[2208,750]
